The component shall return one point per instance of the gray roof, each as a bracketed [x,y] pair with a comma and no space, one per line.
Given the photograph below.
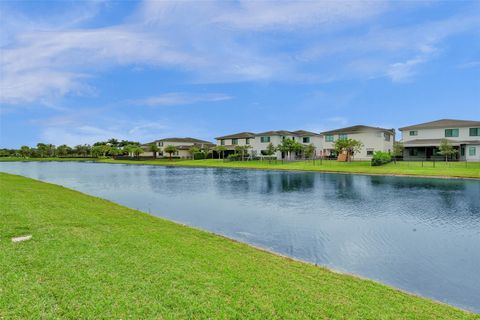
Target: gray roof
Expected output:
[239,135]
[187,139]
[435,142]
[300,133]
[443,123]
[357,128]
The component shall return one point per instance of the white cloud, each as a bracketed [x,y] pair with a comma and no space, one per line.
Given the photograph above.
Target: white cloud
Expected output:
[181,98]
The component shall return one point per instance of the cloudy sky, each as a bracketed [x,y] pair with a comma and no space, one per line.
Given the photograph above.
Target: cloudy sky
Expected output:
[77,72]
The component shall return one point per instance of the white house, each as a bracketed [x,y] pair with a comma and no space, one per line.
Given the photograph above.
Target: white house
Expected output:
[259,141]
[421,141]
[373,139]
[183,146]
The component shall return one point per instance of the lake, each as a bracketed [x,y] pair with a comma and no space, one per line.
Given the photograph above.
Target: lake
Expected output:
[418,234]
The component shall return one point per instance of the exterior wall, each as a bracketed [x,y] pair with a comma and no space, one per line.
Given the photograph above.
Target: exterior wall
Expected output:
[474,158]
[372,141]
[438,133]
[258,146]
[241,142]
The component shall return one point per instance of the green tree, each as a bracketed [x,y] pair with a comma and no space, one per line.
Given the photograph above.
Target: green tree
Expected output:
[137,151]
[154,149]
[270,149]
[350,146]
[63,150]
[113,142]
[170,149]
[221,151]
[242,150]
[101,150]
[286,146]
[309,150]
[193,151]
[397,150]
[446,149]
[114,151]
[83,150]
[206,149]
[42,149]
[25,151]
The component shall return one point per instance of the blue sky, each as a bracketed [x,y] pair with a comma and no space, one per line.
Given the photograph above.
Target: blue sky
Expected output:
[78,72]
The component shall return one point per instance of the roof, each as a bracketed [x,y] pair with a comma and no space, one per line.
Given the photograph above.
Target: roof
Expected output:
[299,133]
[435,142]
[357,128]
[443,123]
[239,135]
[186,140]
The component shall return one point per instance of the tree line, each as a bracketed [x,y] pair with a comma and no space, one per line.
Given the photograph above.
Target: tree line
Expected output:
[111,147]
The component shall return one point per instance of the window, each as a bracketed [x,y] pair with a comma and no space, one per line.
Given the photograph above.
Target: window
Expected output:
[472,151]
[160,144]
[247,140]
[329,138]
[451,132]
[222,142]
[342,136]
[370,152]
[234,141]
[264,139]
[413,133]
[462,151]
[413,152]
[386,136]
[474,132]
[306,140]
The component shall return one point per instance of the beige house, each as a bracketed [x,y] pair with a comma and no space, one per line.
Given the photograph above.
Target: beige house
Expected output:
[259,141]
[421,141]
[183,146]
[373,139]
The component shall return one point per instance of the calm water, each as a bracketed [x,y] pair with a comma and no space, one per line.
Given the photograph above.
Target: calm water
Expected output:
[421,235]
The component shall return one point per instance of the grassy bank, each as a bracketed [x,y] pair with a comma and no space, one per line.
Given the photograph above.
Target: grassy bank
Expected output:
[90,258]
[439,169]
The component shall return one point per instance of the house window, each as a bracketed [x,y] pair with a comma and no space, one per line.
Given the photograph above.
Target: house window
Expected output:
[160,144]
[234,141]
[306,140]
[264,139]
[413,152]
[451,132]
[342,136]
[472,151]
[222,142]
[370,152]
[386,136]
[413,133]
[462,151]
[474,132]
[247,140]
[329,138]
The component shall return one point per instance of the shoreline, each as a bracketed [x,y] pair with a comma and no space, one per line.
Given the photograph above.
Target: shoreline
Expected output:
[178,164]
[259,248]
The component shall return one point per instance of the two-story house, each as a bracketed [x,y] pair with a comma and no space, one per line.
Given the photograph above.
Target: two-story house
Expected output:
[263,139]
[259,142]
[183,146]
[372,138]
[422,141]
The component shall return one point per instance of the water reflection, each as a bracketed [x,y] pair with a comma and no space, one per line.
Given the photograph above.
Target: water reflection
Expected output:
[422,235]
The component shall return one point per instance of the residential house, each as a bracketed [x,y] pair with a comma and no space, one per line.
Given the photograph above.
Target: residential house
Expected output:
[422,141]
[183,146]
[230,142]
[259,141]
[373,139]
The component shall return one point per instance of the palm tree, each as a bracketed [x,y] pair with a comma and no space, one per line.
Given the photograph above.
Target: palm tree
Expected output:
[154,149]
[170,149]
[25,151]
[206,150]
[220,150]
[42,149]
[193,151]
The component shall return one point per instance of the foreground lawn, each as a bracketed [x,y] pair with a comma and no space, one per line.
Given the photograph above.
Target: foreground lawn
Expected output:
[90,258]
[439,169]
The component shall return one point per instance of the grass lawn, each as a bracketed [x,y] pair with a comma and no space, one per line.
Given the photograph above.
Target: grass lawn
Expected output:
[439,169]
[90,258]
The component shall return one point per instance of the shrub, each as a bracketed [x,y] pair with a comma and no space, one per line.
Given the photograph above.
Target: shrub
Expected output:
[198,156]
[234,157]
[380,158]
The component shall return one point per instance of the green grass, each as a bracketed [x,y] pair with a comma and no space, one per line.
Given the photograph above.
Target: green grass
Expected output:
[90,258]
[439,169]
